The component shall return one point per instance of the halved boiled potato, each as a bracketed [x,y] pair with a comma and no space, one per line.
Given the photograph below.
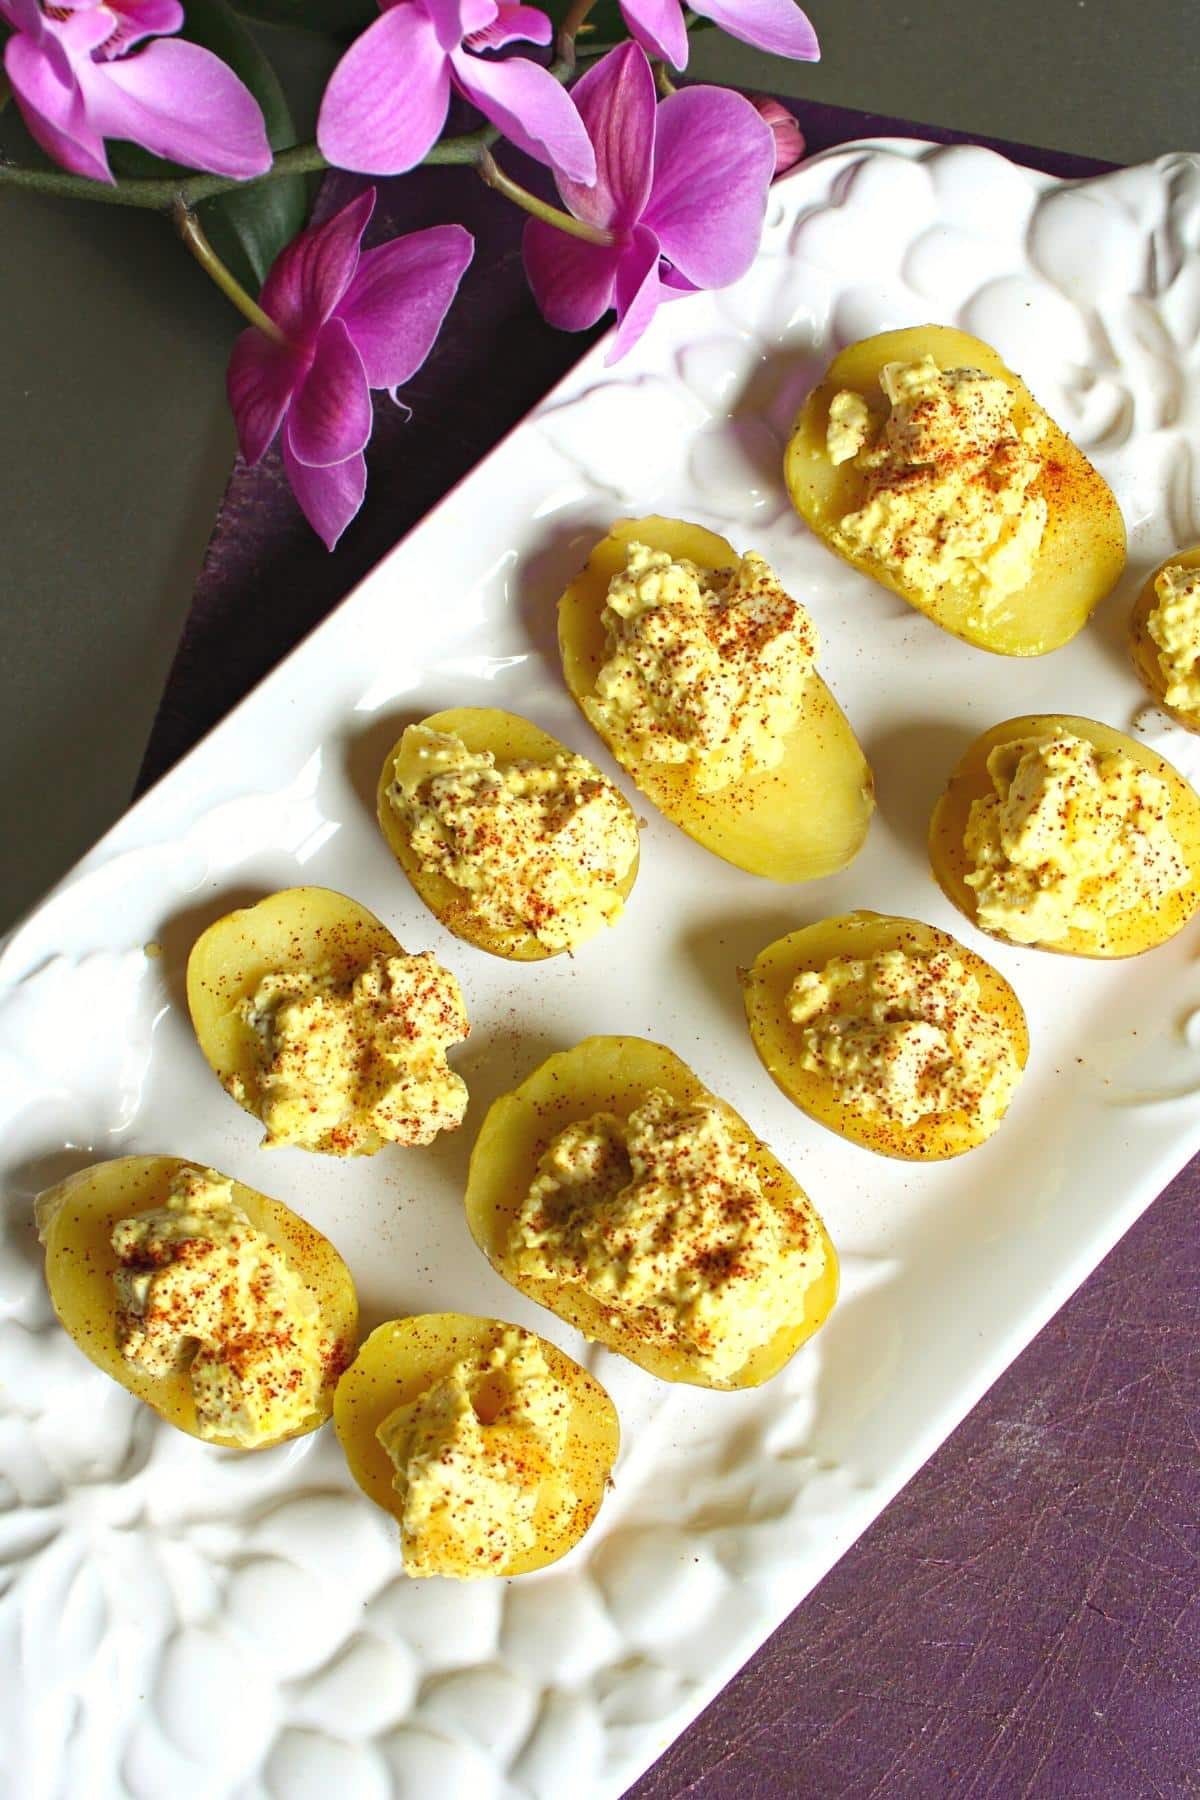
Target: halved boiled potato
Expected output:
[1127,934]
[806,817]
[75,1222]
[615,1075]
[402,1359]
[1082,552]
[1143,646]
[510,739]
[777,1038]
[304,928]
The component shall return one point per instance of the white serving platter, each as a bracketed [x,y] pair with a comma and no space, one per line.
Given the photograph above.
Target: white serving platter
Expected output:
[176,1619]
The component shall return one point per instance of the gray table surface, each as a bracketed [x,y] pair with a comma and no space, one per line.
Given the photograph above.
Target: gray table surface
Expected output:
[115,440]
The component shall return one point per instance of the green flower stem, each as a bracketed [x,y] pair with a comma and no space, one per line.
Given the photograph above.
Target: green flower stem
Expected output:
[570,28]
[161,194]
[491,172]
[192,233]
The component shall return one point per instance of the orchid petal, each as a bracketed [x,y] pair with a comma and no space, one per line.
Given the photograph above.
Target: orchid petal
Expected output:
[616,103]
[83,31]
[260,381]
[386,101]
[41,33]
[572,281]
[478,15]
[637,292]
[330,414]
[53,110]
[775,25]
[181,102]
[138,19]
[329,498]
[23,15]
[312,273]
[45,34]
[80,150]
[659,28]
[530,108]
[513,24]
[394,307]
[674,285]
[446,18]
[713,162]
[157,18]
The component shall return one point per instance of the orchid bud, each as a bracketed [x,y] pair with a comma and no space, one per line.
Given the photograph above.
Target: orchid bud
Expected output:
[789,139]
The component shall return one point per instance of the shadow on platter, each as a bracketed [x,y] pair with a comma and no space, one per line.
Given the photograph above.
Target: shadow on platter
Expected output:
[912,763]
[1109,628]
[23,1182]
[364,752]
[717,949]
[491,1065]
[543,577]
[778,385]
[434,1176]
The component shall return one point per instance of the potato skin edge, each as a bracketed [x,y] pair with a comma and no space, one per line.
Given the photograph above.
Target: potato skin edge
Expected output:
[1080,502]
[806,818]
[614,1074]
[864,933]
[404,1356]
[79,1276]
[1142,648]
[1132,934]
[509,736]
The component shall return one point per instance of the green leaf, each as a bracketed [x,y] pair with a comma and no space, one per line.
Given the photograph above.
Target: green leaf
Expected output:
[248,226]
[342,19]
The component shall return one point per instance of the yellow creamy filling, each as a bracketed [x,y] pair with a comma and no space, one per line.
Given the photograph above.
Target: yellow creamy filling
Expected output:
[343,1064]
[200,1290]
[1070,838]
[948,481]
[479,1459]
[663,1220]
[1174,626]
[539,846]
[850,425]
[706,668]
[905,1035]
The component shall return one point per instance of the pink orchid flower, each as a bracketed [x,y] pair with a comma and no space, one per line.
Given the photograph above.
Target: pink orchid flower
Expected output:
[386,101]
[352,320]
[775,25]
[681,186]
[76,84]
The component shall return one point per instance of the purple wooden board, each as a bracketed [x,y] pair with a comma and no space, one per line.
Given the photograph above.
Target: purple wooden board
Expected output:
[1025,1618]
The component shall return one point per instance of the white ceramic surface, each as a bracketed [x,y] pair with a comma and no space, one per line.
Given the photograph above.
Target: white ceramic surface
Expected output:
[180,1620]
